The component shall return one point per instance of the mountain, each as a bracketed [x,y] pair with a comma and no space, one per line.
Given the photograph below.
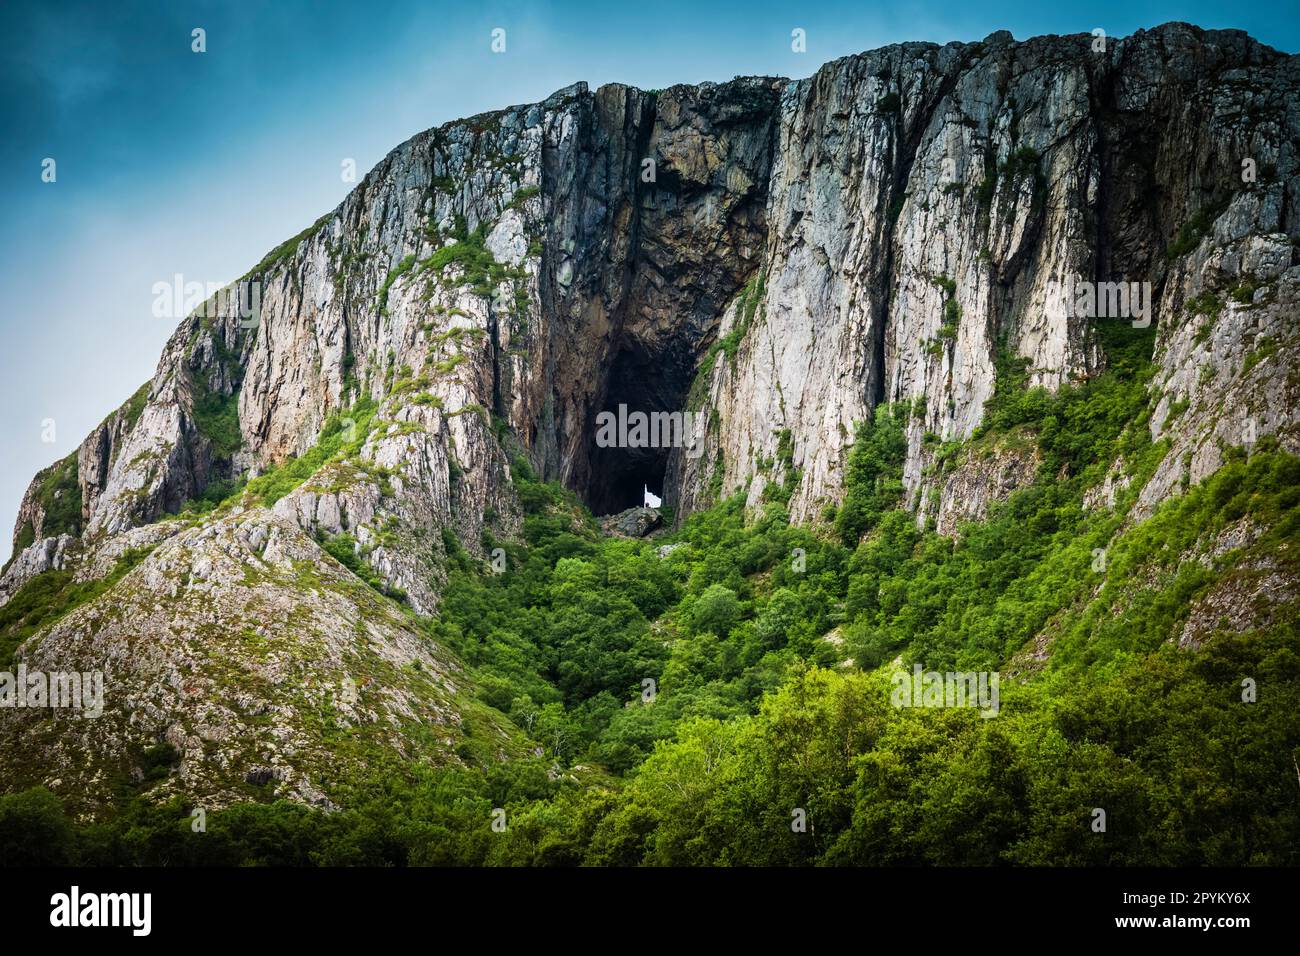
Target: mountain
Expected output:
[256,547]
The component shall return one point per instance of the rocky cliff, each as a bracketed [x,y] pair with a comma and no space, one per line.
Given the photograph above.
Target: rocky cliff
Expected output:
[926,205]
[778,257]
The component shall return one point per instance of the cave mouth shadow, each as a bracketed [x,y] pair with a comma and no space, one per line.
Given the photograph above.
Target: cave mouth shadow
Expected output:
[626,487]
[647,382]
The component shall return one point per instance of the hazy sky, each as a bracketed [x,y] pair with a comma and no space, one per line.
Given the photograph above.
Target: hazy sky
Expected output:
[169,161]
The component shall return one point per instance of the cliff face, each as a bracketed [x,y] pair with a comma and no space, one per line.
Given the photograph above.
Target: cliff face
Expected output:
[778,257]
[878,232]
[927,204]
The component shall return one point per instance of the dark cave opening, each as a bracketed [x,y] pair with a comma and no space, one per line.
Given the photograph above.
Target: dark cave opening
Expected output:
[644,381]
[625,487]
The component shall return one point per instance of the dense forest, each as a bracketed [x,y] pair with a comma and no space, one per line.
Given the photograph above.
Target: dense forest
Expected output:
[722,694]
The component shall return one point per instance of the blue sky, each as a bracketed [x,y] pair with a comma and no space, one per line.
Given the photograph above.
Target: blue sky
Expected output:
[171,162]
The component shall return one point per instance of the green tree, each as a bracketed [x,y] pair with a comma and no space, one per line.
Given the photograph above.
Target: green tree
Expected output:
[716,610]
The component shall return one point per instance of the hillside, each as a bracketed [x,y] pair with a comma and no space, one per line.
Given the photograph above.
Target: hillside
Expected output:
[346,558]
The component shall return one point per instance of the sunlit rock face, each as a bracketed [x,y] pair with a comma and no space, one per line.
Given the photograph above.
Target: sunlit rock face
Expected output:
[927,206]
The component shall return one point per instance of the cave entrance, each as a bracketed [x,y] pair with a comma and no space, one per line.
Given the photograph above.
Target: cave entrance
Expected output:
[644,381]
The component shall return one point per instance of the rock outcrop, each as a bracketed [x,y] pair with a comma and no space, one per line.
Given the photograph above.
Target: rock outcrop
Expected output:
[240,646]
[633,523]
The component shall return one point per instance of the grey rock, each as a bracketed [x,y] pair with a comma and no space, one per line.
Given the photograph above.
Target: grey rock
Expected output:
[633,523]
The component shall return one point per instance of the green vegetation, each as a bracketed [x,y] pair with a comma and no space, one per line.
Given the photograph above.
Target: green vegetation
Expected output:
[896,209]
[347,552]
[480,270]
[875,477]
[399,270]
[49,596]
[987,188]
[26,538]
[1191,233]
[287,249]
[522,195]
[1244,291]
[1208,305]
[751,296]
[701,697]
[1264,349]
[136,403]
[59,497]
[1205,303]
[790,474]
[216,411]
[216,416]
[341,439]
[951,316]
[1023,162]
